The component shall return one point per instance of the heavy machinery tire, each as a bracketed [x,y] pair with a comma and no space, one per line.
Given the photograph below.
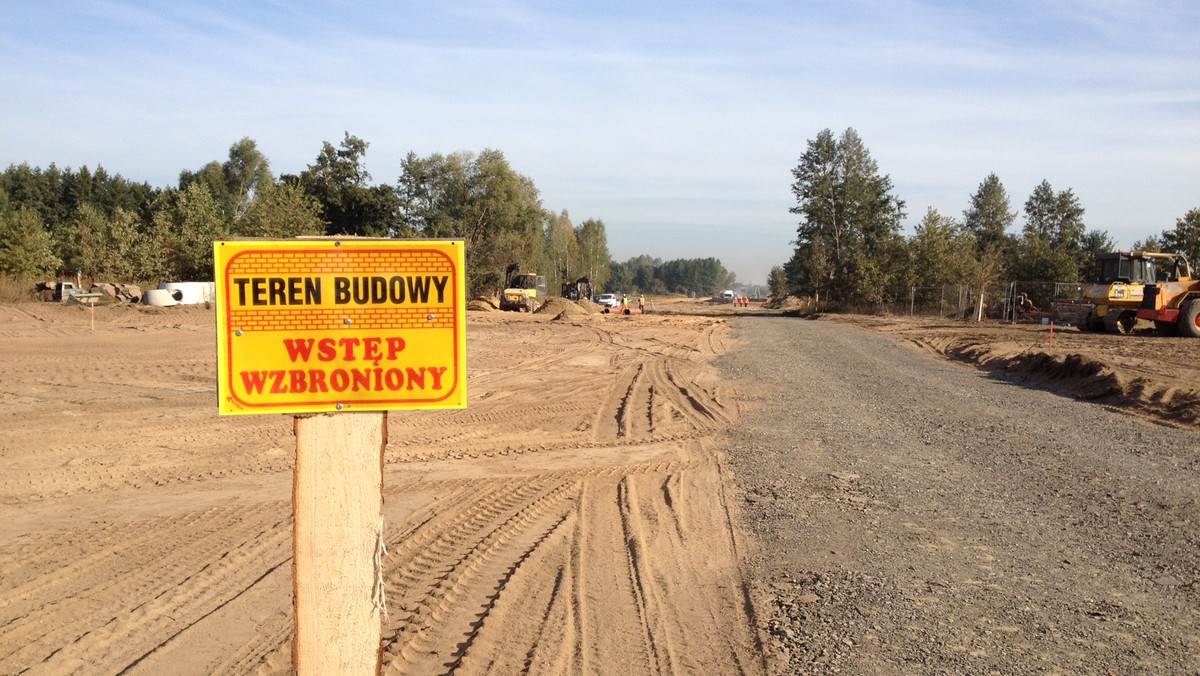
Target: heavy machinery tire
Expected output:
[1166,328]
[1126,322]
[1189,318]
[1112,321]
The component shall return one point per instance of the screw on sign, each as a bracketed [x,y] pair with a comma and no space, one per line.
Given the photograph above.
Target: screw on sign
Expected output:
[337,333]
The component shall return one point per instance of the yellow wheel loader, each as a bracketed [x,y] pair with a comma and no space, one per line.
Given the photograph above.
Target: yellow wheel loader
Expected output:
[521,289]
[1117,288]
[1173,304]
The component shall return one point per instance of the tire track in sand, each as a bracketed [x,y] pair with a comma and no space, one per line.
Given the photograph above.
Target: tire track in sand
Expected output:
[123,594]
[572,521]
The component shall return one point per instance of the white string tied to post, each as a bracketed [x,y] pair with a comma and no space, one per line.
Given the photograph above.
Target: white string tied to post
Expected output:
[379,598]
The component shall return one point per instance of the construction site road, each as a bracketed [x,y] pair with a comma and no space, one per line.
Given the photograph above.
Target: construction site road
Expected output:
[917,516]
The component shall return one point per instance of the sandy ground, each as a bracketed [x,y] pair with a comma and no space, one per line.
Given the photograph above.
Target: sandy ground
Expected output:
[574,519]
[578,517]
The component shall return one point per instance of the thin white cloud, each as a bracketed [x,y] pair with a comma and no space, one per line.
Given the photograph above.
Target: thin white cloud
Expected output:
[660,119]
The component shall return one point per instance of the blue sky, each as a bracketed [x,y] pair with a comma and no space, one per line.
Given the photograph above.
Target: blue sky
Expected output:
[676,123]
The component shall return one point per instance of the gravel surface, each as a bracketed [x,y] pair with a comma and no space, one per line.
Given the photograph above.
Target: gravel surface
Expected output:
[914,516]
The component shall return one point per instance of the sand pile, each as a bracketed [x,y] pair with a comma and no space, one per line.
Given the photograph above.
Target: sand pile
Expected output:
[483,304]
[589,307]
[556,306]
[789,303]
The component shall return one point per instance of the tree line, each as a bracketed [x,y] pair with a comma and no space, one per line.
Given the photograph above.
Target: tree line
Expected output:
[644,274]
[849,250]
[58,221]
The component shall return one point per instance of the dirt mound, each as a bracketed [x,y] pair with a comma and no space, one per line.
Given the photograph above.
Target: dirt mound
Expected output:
[1144,374]
[589,306]
[483,303]
[560,306]
[1087,378]
[789,303]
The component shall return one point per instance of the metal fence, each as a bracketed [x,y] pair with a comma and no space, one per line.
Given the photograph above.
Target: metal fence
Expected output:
[1016,301]
[930,301]
[1031,301]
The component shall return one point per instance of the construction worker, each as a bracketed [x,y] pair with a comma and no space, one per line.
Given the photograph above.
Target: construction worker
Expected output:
[641,303]
[624,302]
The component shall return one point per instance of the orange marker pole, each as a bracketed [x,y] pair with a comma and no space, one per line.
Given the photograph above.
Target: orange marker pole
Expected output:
[1051,334]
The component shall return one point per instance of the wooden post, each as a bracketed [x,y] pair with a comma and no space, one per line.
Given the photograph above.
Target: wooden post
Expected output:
[338,502]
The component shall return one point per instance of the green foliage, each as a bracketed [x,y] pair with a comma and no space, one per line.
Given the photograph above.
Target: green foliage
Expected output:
[1055,245]
[561,254]
[705,276]
[56,194]
[234,183]
[434,193]
[777,282]
[349,204]
[1185,237]
[1150,243]
[620,279]
[26,249]
[503,221]
[281,212]
[111,227]
[1094,242]
[989,218]
[594,258]
[247,172]
[644,274]
[109,248]
[185,225]
[482,200]
[942,251]
[848,245]
[1054,217]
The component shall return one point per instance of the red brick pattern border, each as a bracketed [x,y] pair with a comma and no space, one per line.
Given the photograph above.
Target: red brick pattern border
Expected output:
[334,261]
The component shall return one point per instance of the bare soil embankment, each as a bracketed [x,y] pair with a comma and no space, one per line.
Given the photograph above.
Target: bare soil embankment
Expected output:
[1157,377]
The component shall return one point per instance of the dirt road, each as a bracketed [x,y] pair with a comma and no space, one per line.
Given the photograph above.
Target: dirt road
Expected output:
[920,517]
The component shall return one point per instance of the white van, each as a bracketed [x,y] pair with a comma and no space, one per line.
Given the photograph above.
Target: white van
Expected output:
[727,295]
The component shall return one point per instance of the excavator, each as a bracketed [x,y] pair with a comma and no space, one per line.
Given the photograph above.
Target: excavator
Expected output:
[578,289]
[1173,304]
[1115,293]
[521,289]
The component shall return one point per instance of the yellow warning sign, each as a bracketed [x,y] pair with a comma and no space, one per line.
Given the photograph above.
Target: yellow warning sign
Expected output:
[308,326]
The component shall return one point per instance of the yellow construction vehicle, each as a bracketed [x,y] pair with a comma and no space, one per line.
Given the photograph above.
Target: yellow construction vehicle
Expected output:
[521,289]
[1173,304]
[1114,293]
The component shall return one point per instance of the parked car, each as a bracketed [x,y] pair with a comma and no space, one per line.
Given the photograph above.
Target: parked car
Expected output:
[607,300]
